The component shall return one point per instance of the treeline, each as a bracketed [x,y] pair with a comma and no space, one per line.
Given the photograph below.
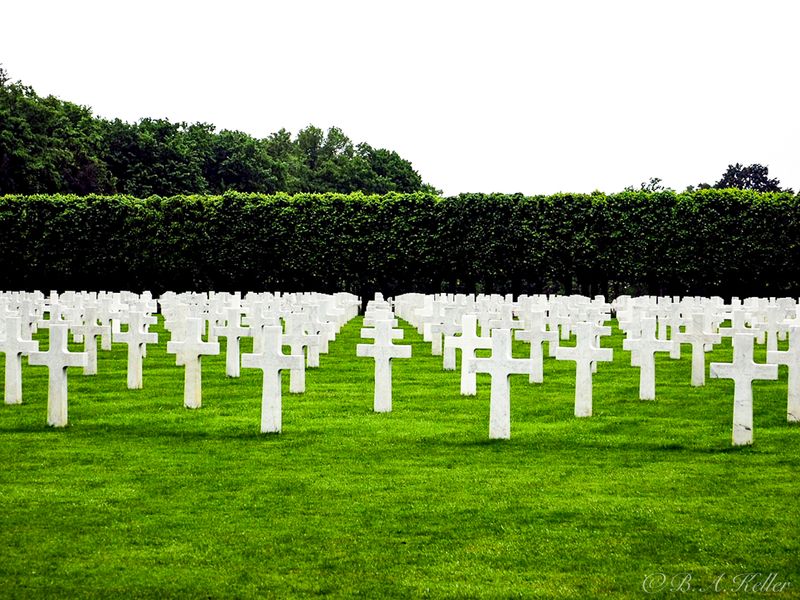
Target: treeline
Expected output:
[48,145]
[723,242]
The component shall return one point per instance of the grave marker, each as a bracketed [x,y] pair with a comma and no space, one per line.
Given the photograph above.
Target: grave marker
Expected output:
[271,360]
[14,346]
[646,346]
[743,370]
[383,351]
[536,333]
[58,359]
[584,353]
[500,366]
[89,330]
[136,338]
[468,342]
[790,358]
[699,338]
[189,352]
[232,331]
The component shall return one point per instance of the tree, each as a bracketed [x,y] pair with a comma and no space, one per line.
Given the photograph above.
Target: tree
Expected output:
[392,173]
[753,177]
[240,162]
[153,156]
[49,146]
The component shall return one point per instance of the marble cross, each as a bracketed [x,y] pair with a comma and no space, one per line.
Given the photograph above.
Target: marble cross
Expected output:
[646,346]
[698,337]
[298,340]
[536,333]
[271,360]
[468,342]
[584,353]
[500,366]
[790,358]
[57,359]
[743,370]
[14,346]
[383,351]
[257,319]
[189,352]
[137,337]
[90,329]
[233,332]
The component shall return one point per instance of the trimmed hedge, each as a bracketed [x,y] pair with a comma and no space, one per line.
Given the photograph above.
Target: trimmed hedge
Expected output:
[723,242]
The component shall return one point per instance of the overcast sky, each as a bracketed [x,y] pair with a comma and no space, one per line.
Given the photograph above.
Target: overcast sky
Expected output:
[503,96]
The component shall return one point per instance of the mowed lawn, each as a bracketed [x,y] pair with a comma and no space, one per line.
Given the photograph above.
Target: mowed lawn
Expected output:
[140,497]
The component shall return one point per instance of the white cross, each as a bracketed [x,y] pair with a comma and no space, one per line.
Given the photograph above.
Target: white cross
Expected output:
[674,320]
[383,351]
[790,358]
[89,329]
[106,314]
[431,314]
[450,329]
[631,325]
[136,338]
[738,325]
[584,353]
[699,338]
[232,331]
[257,320]
[646,346]
[743,370]
[505,319]
[326,330]
[14,346]
[297,340]
[271,360]
[536,333]
[189,352]
[468,342]
[771,327]
[54,309]
[435,330]
[57,359]
[500,366]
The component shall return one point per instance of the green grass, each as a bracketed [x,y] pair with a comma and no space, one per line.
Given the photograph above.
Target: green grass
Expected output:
[140,497]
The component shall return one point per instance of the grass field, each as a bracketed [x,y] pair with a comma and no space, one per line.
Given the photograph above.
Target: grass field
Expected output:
[140,497]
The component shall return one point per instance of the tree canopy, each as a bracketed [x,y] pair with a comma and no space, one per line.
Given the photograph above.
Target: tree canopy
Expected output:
[48,145]
[752,177]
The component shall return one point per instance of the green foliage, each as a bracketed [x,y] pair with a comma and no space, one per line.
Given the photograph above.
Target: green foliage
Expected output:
[51,146]
[724,242]
[753,177]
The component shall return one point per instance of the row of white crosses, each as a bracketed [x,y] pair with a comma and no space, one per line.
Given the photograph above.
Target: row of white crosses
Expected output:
[92,315]
[698,322]
[88,316]
[311,322]
[534,319]
[652,325]
[380,325]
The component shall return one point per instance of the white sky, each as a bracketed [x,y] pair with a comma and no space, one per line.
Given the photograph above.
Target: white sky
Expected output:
[504,96]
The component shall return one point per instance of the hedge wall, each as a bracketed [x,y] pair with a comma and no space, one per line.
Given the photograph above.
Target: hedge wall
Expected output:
[725,242]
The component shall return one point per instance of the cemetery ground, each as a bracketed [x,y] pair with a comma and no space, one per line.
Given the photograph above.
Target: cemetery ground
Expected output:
[141,497]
